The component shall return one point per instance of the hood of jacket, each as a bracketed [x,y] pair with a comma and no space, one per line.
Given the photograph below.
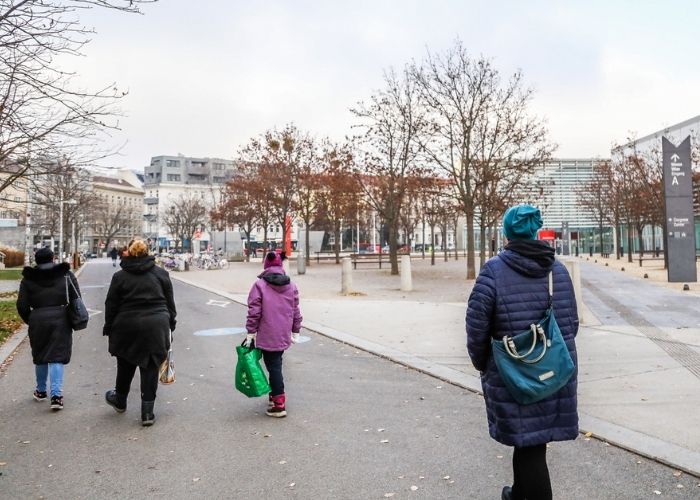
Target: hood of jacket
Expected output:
[533,258]
[46,277]
[138,265]
[275,275]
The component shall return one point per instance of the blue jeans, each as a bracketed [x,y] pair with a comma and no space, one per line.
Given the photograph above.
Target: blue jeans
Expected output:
[55,371]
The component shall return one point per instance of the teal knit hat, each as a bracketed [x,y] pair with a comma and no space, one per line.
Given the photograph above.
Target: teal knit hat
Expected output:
[521,222]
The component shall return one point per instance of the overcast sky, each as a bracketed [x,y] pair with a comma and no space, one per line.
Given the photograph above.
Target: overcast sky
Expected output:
[204,77]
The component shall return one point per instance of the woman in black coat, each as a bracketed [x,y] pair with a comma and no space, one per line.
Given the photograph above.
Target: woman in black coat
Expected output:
[139,316]
[41,303]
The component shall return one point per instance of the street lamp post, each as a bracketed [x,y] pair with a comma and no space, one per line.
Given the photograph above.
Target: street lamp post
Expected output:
[60,225]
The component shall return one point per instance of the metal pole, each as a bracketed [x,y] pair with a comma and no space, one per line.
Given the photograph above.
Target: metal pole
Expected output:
[28,234]
[72,242]
[60,231]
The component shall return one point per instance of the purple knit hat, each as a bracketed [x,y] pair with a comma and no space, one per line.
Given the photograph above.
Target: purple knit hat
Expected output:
[273,259]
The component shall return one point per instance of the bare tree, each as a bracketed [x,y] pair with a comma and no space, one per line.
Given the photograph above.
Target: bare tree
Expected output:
[279,156]
[389,150]
[71,186]
[339,190]
[111,219]
[480,128]
[593,194]
[308,197]
[183,217]
[238,206]
[43,113]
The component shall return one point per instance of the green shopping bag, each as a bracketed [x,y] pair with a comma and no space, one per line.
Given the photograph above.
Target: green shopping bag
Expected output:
[250,377]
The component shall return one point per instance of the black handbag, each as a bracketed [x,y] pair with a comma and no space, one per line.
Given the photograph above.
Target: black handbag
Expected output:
[77,312]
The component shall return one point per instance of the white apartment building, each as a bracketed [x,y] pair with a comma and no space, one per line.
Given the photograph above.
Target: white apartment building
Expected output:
[169,177]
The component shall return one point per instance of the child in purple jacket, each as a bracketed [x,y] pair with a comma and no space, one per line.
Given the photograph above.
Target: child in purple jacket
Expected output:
[273,323]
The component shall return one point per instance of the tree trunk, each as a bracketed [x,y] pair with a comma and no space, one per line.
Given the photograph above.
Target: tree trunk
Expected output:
[432,244]
[471,268]
[640,240]
[307,244]
[600,235]
[336,245]
[482,245]
[393,254]
[444,241]
[629,242]
[423,240]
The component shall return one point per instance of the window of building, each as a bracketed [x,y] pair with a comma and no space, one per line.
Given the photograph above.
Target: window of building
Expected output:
[173,163]
[219,166]
[174,177]
[219,180]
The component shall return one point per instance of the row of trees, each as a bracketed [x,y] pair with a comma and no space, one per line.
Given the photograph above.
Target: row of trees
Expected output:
[91,214]
[628,190]
[449,130]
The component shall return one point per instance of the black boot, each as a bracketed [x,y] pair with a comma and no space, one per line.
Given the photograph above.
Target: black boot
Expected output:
[507,493]
[116,401]
[147,416]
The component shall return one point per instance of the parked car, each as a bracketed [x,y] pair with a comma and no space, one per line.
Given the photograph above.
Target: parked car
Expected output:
[419,247]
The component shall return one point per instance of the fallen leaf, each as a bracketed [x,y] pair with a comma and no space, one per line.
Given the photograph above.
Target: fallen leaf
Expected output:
[588,434]
[97,471]
[401,477]
[679,486]
[282,462]
[414,488]
[291,485]
[267,435]
[50,465]
[677,473]
[380,430]
[499,456]
[438,387]
[384,441]
[195,479]
[26,442]
[639,461]
[184,399]
[451,481]
[389,495]
[421,477]
[657,492]
[446,477]
[3,463]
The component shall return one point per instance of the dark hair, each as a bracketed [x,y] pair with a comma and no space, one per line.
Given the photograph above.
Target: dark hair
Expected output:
[271,255]
[43,256]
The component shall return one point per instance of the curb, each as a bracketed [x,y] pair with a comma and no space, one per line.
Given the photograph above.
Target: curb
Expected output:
[7,350]
[641,444]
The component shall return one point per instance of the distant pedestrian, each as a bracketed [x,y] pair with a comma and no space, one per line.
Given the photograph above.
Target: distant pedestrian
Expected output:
[114,253]
[509,295]
[273,324]
[41,303]
[139,316]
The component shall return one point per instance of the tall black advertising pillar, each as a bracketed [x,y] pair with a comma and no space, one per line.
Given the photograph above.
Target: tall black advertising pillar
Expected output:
[680,225]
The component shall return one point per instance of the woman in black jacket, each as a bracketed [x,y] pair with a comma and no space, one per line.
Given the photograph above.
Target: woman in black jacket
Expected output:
[41,303]
[139,316]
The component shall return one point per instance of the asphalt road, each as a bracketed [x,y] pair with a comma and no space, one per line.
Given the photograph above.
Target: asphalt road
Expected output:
[359,427]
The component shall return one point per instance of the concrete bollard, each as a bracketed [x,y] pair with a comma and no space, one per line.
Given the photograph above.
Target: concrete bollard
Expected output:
[406,281]
[574,268]
[301,263]
[346,277]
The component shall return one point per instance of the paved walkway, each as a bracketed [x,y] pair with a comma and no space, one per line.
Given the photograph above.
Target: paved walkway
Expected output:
[359,427]
[639,347]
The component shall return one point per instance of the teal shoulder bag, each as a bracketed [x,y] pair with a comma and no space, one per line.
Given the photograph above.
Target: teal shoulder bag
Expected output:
[536,363]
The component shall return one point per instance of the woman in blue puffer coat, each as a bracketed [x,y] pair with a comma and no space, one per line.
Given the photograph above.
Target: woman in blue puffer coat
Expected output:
[511,293]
